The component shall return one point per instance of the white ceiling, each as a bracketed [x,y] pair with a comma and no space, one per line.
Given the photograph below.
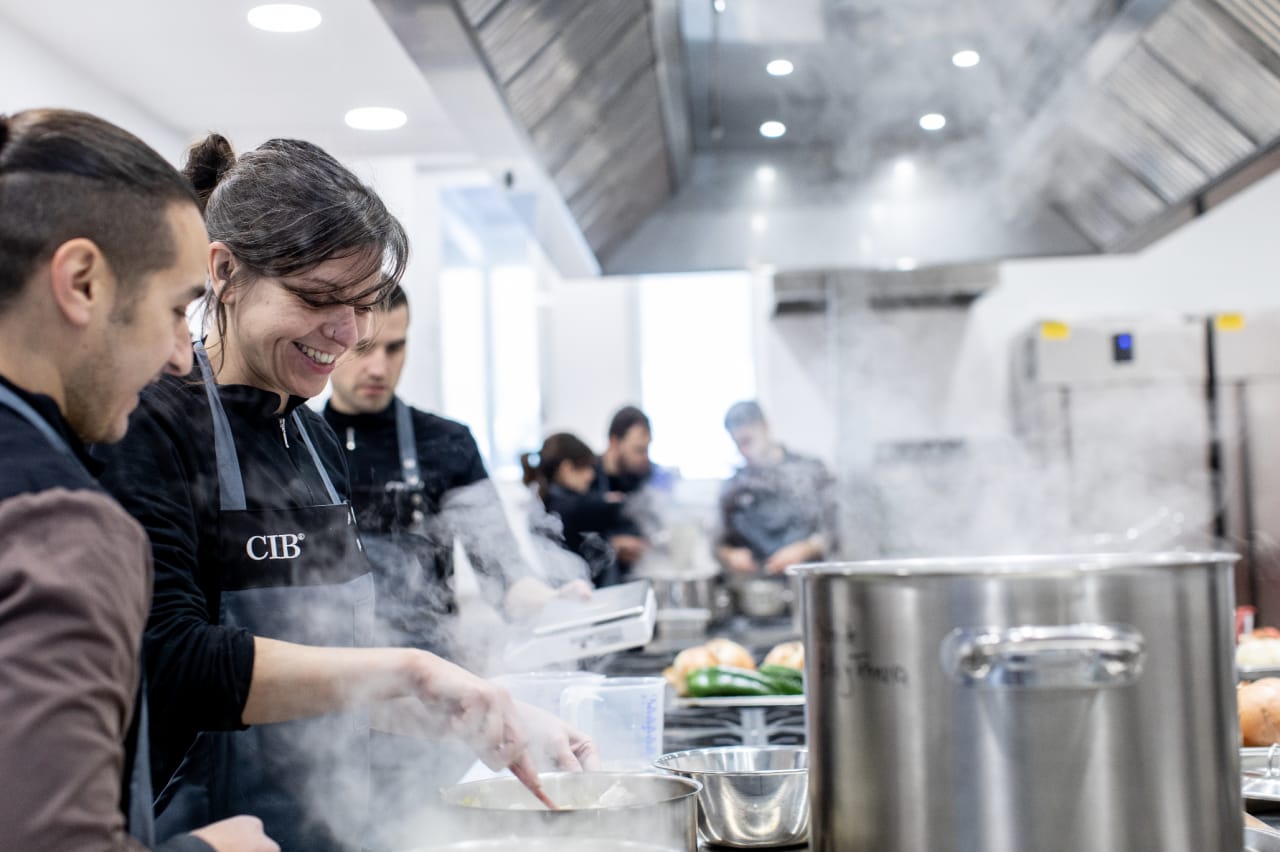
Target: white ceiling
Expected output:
[197,65]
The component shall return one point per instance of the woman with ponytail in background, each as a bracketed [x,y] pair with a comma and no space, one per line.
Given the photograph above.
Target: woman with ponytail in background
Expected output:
[563,471]
[263,690]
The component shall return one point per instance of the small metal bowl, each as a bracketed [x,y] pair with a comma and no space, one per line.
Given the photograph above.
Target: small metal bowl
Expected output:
[751,796]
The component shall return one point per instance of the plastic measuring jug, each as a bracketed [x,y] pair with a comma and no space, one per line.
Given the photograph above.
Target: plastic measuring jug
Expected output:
[543,689]
[623,715]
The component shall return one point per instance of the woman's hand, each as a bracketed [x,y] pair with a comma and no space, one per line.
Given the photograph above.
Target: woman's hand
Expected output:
[553,744]
[481,714]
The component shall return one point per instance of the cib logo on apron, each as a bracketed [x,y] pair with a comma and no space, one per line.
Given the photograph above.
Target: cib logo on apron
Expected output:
[282,546]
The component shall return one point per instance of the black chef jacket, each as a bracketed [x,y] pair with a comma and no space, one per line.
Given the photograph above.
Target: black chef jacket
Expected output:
[165,474]
[448,458]
[449,462]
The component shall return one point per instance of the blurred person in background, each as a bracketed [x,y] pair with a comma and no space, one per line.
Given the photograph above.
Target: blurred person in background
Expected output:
[101,251]
[778,509]
[419,485]
[257,648]
[564,471]
[622,471]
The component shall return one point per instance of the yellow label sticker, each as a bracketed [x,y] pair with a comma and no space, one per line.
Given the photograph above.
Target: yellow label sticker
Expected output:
[1051,330]
[1229,322]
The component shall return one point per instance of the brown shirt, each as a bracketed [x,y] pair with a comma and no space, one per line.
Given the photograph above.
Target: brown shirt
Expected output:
[75,580]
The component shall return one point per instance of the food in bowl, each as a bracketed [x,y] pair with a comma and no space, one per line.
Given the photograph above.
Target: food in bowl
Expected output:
[1258,650]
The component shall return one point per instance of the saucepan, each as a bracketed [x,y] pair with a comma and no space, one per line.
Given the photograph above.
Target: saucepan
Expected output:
[515,843]
[611,807]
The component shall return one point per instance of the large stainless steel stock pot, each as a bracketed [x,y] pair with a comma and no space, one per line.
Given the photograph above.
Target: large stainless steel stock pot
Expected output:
[1078,703]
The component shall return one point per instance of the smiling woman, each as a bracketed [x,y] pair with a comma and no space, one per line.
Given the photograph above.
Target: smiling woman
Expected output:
[227,458]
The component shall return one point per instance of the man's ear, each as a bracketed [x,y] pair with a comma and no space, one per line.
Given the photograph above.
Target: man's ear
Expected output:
[81,281]
[222,266]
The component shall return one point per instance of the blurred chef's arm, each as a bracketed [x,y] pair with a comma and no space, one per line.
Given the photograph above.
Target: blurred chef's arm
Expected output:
[475,515]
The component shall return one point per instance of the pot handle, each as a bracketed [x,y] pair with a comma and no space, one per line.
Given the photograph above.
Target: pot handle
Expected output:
[1068,656]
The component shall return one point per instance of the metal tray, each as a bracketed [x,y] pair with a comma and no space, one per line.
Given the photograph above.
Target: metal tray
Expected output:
[1260,774]
[731,701]
[1257,672]
[1257,840]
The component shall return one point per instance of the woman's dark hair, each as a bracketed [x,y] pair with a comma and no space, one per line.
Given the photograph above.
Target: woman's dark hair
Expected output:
[557,449]
[288,206]
[625,418]
[66,175]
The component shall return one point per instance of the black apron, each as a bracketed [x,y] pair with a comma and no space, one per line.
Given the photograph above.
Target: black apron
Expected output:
[297,575]
[415,606]
[411,562]
[141,819]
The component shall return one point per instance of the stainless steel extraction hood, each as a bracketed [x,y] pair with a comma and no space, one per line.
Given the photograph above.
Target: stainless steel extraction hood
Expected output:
[1089,126]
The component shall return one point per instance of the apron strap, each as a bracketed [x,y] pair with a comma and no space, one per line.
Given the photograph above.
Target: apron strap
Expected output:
[315,457]
[141,800]
[26,412]
[230,483]
[408,444]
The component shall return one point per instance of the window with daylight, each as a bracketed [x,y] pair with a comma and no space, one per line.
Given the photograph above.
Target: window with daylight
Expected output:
[696,359]
[490,359]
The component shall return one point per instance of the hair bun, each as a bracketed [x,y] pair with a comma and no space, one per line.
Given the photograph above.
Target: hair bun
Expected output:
[208,161]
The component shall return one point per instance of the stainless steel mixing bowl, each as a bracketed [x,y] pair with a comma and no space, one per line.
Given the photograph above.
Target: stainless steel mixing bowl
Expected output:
[751,796]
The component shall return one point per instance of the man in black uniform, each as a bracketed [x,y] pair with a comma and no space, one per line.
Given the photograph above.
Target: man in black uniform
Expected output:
[622,472]
[419,484]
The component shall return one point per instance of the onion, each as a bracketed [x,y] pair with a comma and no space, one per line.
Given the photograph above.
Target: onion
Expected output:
[1259,705]
[730,653]
[789,654]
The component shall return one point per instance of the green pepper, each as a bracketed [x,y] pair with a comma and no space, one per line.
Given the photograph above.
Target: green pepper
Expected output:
[786,680]
[715,681]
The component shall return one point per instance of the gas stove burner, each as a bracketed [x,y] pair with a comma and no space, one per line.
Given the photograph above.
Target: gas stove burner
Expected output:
[703,727]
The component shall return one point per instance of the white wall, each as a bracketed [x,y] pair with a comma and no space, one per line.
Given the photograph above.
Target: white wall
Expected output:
[1226,261]
[591,357]
[36,77]
[795,374]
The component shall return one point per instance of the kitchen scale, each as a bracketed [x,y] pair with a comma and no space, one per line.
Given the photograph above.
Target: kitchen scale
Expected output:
[614,619]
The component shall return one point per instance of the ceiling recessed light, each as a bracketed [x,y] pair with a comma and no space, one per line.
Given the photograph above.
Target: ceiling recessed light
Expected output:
[766,174]
[284,18]
[375,118]
[772,129]
[966,59]
[904,169]
[780,67]
[906,264]
[718,5]
[759,223]
[933,121]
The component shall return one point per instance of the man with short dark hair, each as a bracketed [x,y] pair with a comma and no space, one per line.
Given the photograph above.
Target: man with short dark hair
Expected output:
[778,509]
[418,485]
[101,250]
[623,470]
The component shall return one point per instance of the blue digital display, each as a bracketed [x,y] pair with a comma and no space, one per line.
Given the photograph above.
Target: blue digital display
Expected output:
[1122,347]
